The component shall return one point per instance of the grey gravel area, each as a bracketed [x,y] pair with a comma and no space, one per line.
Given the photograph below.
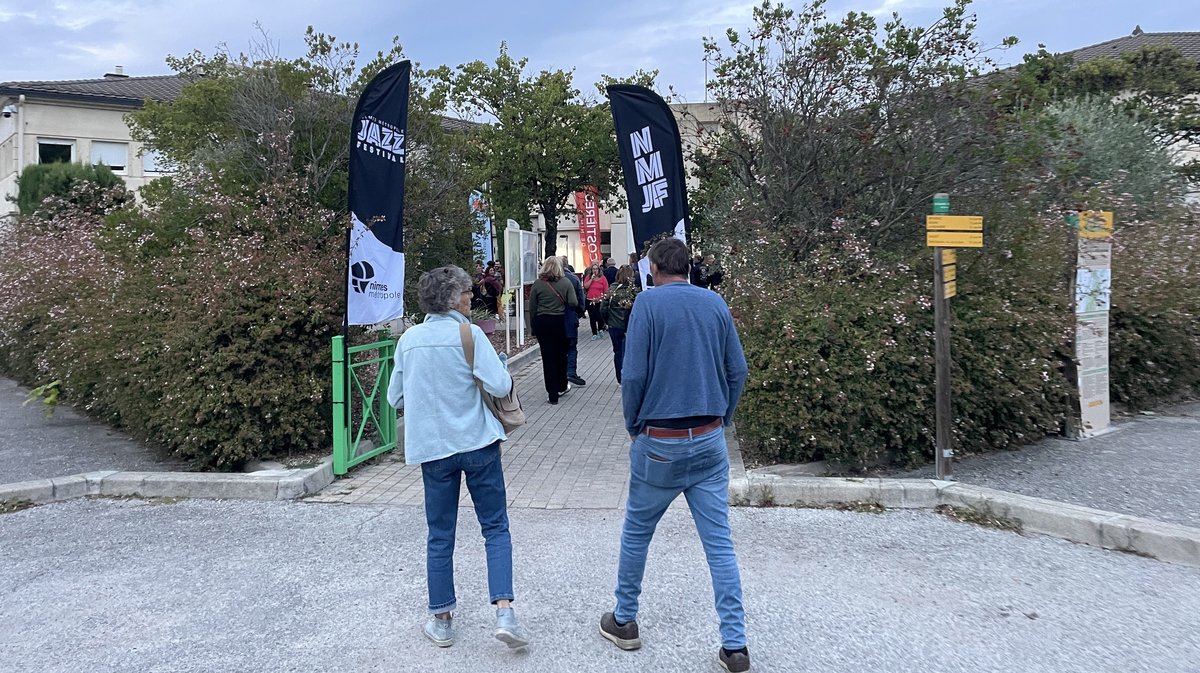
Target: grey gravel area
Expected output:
[34,446]
[1149,467]
[98,585]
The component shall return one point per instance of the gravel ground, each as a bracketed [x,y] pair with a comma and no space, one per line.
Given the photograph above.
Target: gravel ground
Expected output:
[1149,467]
[33,446]
[102,585]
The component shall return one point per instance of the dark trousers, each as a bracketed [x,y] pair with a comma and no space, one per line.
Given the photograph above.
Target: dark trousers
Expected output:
[617,334]
[596,317]
[571,322]
[551,334]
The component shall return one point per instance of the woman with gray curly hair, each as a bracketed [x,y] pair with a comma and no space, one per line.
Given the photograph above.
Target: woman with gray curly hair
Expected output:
[450,433]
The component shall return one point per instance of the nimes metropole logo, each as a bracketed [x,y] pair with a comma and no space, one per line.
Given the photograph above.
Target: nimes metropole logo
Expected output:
[361,274]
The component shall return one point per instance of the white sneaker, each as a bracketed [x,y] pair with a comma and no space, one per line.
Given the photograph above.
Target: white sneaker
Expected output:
[440,631]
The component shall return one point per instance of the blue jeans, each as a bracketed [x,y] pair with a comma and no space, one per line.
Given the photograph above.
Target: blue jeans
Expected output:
[485,482]
[617,334]
[659,470]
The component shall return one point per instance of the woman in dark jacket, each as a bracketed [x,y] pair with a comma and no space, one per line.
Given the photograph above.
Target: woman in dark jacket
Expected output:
[549,299]
[618,302]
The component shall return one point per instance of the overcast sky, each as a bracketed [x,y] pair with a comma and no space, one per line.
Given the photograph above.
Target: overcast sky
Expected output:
[78,39]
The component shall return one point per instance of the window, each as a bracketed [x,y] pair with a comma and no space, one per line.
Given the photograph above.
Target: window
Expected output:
[153,162]
[53,150]
[113,155]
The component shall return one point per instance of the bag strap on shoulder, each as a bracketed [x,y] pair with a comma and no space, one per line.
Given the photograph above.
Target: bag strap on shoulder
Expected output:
[468,345]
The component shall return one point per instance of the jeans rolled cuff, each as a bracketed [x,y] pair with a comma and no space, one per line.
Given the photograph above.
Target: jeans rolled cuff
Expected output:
[445,607]
[502,597]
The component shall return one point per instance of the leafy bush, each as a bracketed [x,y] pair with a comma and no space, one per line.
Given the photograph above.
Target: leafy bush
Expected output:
[815,187]
[38,182]
[841,355]
[218,352]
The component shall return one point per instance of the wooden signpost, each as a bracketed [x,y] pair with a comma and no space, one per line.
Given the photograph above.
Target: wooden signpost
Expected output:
[944,233]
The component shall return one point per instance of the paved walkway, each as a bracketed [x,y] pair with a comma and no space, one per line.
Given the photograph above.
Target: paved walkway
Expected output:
[573,455]
[34,446]
[204,586]
[1148,467]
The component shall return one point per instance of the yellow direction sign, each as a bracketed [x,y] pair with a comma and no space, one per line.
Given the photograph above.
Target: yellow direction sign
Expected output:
[949,256]
[950,272]
[953,223]
[950,289]
[1095,224]
[954,239]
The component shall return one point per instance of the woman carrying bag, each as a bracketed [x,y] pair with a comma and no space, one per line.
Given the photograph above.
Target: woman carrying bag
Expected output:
[618,302]
[549,298]
[450,433]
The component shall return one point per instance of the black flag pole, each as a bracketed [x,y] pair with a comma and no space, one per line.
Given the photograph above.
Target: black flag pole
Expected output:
[375,238]
[652,165]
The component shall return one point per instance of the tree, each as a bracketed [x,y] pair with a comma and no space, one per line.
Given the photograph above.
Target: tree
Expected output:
[827,119]
[545,142]
[253,118]
[1155,84]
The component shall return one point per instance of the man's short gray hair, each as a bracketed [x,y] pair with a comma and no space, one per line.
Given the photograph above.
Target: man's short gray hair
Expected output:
[439,289]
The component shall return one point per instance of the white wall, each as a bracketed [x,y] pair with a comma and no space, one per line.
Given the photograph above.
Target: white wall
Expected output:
[66,121]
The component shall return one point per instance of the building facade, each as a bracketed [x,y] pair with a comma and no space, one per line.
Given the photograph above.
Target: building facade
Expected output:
[79,121]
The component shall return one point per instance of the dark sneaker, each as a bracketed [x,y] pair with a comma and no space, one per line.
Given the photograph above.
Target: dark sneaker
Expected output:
[563,393]
[736,661]
[573,378]
[624,636]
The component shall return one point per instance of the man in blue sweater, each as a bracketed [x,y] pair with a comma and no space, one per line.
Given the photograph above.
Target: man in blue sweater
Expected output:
[683,374]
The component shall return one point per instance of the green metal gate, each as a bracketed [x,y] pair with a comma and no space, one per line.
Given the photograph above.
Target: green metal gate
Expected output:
[366,415]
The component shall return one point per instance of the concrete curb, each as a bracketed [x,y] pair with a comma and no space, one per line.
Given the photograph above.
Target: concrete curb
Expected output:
[263,485]
[523,358]
[1098,528]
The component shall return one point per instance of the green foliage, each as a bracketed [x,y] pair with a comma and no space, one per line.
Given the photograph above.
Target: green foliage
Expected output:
[47,394]
[1155,84]
[200,318]
[545,142]
[218,352]
[39,182]
[815,189]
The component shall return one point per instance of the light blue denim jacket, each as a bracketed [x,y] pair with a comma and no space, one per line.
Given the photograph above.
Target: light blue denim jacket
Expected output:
[443,410]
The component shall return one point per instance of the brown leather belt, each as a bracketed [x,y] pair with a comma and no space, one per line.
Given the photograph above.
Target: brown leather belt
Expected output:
[681,433]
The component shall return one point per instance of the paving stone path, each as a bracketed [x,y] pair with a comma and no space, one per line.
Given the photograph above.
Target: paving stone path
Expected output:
[573,455]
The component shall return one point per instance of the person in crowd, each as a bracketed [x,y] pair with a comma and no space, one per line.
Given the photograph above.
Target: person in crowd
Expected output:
[551,298]
[683,374]
[696,276]
[594,287]
[491,288]
[637,276]
[572,320]
[450,433]
[618,302]
[610,271]
[713,275]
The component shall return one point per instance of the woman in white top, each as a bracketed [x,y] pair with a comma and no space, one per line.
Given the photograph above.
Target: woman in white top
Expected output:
[450,433]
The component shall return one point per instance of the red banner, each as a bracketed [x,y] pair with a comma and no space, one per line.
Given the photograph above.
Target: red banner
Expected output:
[589,225]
